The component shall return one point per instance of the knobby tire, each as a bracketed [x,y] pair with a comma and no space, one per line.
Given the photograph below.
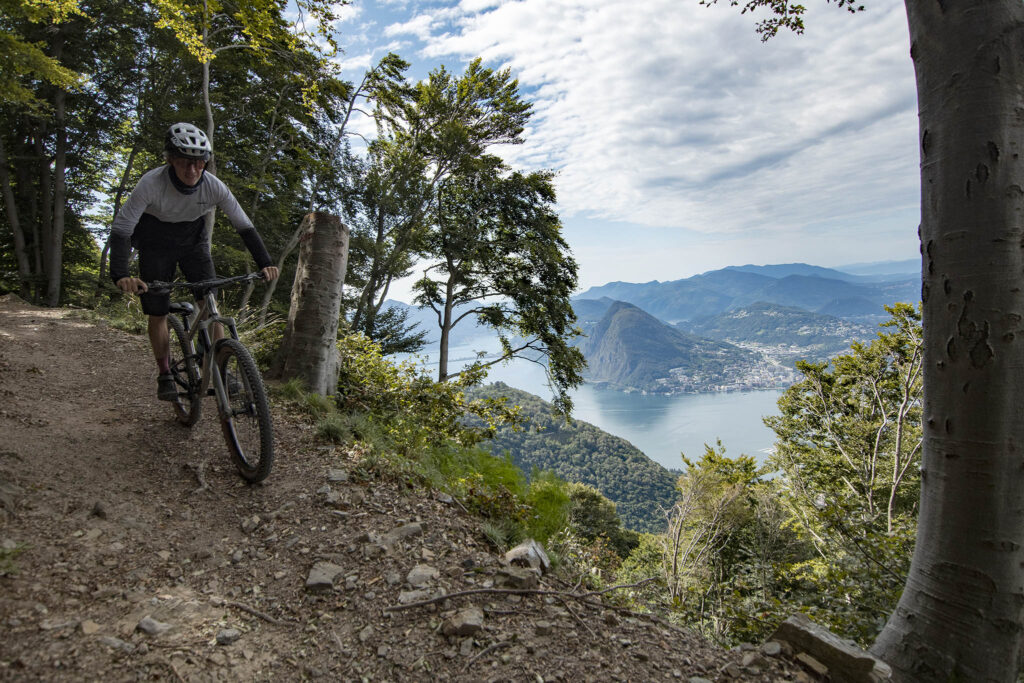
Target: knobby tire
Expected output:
[185,371]
[247,428]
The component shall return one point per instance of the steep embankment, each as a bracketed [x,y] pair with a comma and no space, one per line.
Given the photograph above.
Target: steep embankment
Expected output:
[131,548]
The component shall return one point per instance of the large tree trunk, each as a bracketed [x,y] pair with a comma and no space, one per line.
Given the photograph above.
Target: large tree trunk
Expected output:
[20,250]
[309,350]
[55,260]
[960,616]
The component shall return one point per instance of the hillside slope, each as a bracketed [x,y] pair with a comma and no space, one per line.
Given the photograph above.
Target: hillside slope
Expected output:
[130,549]
[580,452]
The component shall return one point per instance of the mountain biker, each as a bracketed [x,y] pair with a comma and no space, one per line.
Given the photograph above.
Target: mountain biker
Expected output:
[164,218]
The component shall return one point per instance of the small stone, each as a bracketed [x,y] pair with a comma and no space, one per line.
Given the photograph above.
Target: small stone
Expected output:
[228,636]
[543,628]
[249,524]
[164,555]
[529,554]
[731,670]
[466,647]
[383,651]
[772,648]
[445,498]
[421,575]
[151,626]
[99,510]
[408,597]
[392,578]
[755,659]
[324,490]
[237,557]
[516,577]
[427,554]
[366,634]
[401,533]
[90,628]
[337,475]
[56,624]
[322,576]
[117,644]
[813,664]
[465,622]
[692,679]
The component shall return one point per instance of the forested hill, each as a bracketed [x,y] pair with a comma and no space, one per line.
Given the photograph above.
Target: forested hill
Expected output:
[631,349]
[580,452]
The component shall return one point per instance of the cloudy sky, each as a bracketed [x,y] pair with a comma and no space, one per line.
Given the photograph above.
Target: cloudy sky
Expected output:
[682,143]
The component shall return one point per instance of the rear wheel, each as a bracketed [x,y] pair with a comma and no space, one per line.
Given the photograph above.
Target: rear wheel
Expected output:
[185,371]
[247,427]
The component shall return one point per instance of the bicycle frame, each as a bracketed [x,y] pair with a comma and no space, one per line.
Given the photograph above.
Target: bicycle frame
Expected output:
[197,326]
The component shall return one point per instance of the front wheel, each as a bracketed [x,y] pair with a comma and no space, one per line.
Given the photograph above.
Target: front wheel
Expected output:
[247,427]
[185,371]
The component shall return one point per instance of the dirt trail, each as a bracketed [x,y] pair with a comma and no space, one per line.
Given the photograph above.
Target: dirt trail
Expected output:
[144,555]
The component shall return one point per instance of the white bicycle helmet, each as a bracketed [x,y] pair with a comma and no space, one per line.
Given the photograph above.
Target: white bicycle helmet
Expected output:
[186,140]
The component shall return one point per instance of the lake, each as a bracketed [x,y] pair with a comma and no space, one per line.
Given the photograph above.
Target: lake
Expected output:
[660,426]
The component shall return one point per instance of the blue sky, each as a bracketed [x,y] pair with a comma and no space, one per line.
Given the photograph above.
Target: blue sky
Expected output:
[682,143]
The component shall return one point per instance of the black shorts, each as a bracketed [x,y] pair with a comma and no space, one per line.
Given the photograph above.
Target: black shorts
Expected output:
[160,264]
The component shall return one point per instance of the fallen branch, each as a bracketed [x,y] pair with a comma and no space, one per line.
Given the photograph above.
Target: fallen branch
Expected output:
[255,612]
[488,650]
[582,597]
[575,616]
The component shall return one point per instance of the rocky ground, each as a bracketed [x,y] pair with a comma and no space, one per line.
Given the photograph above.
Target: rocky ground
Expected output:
[132,549]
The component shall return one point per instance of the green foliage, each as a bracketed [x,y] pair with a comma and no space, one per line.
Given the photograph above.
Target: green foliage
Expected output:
[640,488]
[593,517]
[832,533]
[549,503]
[8,557]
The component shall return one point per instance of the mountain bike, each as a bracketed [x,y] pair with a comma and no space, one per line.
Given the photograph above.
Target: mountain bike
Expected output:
[223,368]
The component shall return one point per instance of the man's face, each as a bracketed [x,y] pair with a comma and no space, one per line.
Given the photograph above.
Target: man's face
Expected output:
[189,171]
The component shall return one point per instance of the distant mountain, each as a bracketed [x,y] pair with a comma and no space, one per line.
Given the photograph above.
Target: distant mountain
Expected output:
[795,284]
[590,311]
[885,270]
[466,332]
[580,452]
[631,349]
[782,270]
[814,334]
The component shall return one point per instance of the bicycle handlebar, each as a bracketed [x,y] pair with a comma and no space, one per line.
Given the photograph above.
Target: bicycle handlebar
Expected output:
[204,285]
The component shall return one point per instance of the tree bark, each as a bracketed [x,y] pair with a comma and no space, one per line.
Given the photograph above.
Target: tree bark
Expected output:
[309,350]
[55,260]
[961,615]
[20,251]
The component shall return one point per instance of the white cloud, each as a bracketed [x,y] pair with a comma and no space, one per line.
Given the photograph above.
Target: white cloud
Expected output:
[666,113]
[419,26]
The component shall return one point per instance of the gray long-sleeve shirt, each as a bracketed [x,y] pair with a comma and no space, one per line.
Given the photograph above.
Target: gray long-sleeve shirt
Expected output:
[163,207]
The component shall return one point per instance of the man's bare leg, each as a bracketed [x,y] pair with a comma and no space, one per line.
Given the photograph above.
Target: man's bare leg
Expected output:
[160,340]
